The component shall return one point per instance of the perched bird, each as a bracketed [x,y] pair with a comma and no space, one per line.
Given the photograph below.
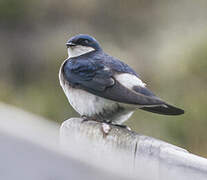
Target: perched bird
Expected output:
[103,88]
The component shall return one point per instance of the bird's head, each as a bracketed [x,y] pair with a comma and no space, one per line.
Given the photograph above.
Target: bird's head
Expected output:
[81,44]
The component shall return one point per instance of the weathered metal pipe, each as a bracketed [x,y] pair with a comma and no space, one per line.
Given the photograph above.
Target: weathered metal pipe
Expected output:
[130,154]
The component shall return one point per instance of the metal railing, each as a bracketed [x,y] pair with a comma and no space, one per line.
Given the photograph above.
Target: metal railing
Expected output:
[129,154]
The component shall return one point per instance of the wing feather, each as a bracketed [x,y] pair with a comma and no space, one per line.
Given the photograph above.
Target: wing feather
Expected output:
[95,79]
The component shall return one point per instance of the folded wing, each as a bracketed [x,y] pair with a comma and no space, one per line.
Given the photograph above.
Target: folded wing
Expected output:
[120,87]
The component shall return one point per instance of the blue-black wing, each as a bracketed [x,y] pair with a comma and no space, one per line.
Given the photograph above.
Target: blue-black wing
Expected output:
[87,75]
[96,78]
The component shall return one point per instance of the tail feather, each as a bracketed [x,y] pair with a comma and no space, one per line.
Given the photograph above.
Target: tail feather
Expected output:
[165,109]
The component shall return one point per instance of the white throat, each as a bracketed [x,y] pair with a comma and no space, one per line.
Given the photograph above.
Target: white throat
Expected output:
[78,50]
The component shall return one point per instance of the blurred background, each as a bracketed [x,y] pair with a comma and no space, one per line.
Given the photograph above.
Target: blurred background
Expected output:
[164,41]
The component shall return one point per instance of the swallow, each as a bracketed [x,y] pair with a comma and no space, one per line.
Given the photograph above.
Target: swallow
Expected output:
[101,87]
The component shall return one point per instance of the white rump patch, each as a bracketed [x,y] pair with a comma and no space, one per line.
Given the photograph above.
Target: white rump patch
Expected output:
[129,80]
[78,50]
[106,68]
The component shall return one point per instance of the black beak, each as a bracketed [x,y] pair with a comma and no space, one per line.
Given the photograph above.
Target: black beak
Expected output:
[69,44]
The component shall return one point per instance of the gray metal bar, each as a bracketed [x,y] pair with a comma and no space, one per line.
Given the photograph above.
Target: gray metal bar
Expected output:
[130,154]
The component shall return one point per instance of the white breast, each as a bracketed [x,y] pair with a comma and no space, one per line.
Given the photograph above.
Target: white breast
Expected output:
[86,103]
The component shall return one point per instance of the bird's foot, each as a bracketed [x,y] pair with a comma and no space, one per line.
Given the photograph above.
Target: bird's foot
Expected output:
[121,126]
[86,118]
[105,127]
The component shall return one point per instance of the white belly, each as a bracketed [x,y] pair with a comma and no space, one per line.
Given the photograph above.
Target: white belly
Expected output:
[91,105]
[86,103]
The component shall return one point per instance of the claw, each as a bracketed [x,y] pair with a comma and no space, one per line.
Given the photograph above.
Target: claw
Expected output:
[85,118]
[122,126]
